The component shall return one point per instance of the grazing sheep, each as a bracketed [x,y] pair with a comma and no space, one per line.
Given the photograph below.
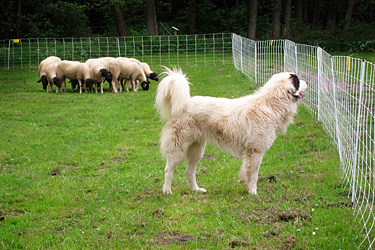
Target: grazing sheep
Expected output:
[99,74]
[52,77]
[146,68]
[42,70]
[124,69]
[74,71]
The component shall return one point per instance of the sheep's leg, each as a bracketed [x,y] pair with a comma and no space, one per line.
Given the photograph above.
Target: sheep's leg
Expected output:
[101,87]
[127,83]
[120,84]
[134,88]
[114,89]
[137,85]
[80,86]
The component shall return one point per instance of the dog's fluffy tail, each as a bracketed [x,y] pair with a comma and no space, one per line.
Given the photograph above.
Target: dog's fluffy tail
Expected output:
[173,93]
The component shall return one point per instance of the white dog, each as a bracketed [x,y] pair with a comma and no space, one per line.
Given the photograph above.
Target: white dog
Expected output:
[245,127]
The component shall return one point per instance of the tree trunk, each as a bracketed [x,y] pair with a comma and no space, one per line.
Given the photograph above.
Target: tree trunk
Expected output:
[19,15]
[286,23]
[349,13]
[252,18]
[237,4]
[191,17]
[298,7]
[276,14]
[118,19]
[316,18]
[331,14]
[151,23]
[227,15]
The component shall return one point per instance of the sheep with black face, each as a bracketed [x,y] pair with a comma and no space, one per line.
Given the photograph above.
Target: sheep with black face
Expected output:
[124,69]
[42,70]
[74,71]
[52,77]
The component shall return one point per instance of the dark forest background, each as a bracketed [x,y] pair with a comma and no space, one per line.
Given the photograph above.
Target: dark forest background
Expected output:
[331,24]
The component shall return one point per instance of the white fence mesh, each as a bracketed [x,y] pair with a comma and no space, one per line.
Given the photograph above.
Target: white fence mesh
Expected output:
[341,96]
[340,93]
[156,50]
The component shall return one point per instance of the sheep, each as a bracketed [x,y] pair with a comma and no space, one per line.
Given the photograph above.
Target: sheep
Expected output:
[125,69]
[74,71]
[52,77]
[146,69]
[42,70]
[98,74]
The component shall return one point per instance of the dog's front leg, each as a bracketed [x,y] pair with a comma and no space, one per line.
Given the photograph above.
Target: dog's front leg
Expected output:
[250,169]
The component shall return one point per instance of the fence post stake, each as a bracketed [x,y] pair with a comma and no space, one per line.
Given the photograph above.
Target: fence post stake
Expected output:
[256,62]
[295,53]
[8,54]
[319,53]
[241,55]
[284,51]
[118,46]
[363,66]
[335,107]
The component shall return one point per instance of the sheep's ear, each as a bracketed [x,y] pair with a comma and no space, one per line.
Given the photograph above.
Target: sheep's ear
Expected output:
[39,81]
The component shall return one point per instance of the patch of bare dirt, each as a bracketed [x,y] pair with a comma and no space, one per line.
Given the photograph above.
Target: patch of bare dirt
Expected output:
[5,213]
[339,204]
[236,242]
[289,242]
[175,238]
[269,216]
[209,157]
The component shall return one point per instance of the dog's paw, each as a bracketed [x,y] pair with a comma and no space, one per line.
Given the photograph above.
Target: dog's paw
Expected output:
[167,191]
[252,191]
[201,190]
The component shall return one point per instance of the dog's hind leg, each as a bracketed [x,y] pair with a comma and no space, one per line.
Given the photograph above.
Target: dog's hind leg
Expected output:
[194,155]
[169,169]
[250,169]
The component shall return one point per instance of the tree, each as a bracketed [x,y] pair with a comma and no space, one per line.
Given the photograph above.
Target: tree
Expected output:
[118,19]
[252,18]
[316,16]
[150,16]
[349,13]
[227,15]
[276,14]
[191,17]
[286,22]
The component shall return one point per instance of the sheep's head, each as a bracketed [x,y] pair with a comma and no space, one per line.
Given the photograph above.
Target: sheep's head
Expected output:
[106,74]
[57,82]
[74,83]
[154,76]
[145,85]
[89,83]
[44,81]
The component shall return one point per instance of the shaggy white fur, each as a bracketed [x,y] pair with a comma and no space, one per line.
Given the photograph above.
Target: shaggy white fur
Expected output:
[245,127]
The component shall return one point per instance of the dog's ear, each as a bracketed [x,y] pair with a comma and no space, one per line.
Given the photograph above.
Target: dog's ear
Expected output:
[295,81]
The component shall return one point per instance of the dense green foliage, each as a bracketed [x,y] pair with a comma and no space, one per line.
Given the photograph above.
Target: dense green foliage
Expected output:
[85,172]
[47,18]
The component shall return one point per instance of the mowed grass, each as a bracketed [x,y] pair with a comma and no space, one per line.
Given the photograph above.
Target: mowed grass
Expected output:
[85,172]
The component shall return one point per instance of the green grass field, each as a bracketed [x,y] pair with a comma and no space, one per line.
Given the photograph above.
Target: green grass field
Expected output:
[85,172]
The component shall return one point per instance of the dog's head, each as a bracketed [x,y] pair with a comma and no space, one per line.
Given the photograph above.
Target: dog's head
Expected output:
[44,81]
[299,87]
[285,86]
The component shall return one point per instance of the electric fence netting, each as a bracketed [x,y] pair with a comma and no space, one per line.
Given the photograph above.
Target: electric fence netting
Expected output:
[206,49]
[341,96]
[340,91]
